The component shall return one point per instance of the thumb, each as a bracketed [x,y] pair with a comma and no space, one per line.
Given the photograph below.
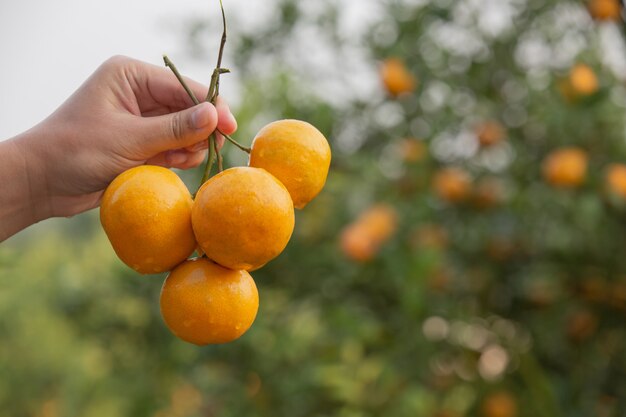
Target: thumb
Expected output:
[176,130]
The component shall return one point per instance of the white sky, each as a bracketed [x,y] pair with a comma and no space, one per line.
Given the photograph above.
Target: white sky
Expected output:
[48,48]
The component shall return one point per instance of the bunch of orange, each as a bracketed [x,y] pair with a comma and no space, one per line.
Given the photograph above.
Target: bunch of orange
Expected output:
[240,219]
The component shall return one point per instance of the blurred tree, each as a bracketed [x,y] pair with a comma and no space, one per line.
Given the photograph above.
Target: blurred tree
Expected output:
[505,301]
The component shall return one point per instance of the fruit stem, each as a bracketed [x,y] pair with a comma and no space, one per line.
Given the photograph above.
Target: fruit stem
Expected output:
[211,139]
[214,91]
[220,162]
[170,65]
[215,78]
[234,142]
[209,162]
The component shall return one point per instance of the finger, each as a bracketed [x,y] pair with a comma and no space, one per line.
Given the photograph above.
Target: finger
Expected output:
[159,85]
[183,159]
[173,131]
[158,160]
[193,159]
[220,141]
[226,122]
[203,144]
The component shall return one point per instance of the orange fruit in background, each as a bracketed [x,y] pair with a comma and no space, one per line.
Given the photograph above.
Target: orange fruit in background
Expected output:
[204,303]
[615,179]
[412,150]
[583,80]
[490,133]
[604,9]
[581,325]
[146,214]
[357,244]
[396,77]
[243,218]
[565,167]
[488,193]
[499,404]
[452,184]
[297,154]
[380,221]
[362,239]
[429,236]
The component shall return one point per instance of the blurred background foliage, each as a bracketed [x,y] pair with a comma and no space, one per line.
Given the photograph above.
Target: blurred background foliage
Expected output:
[465,259]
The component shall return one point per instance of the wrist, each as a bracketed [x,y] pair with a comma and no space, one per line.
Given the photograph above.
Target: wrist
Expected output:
[22,196]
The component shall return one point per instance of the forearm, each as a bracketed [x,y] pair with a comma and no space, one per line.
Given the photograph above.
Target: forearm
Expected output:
[19,206]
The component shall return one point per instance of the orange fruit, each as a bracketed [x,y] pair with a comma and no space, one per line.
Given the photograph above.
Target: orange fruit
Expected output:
[490,133]
[452,184]
[499,404]
[412,150]
[243,217]
[581,325]
[396,77]
[429,236]
[488,193]
[565,167]
[583,80]
[604,9]
[297,154]
[146,214]
[357,244]
[362,239]
[379,221]
[615,179]
[204,303]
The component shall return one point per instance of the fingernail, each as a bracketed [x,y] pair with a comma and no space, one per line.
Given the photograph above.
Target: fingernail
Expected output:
[202,116]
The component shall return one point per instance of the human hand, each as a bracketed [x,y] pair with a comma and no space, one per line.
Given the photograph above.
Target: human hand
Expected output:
[128,113]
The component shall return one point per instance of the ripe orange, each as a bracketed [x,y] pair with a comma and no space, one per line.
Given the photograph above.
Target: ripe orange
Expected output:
[452,184]
[615,179]
[362,239]
[357,244]
[412,150]
[490,133]
[488,193]
[581,325]
[565,167]
[204,303]
[429,236]
[146,213]
[499,404]
[396,77]
[242,218]
[297,154]
[604,9]
[583,80]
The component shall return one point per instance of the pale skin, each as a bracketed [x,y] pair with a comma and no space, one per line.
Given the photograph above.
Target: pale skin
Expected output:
[128,113]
